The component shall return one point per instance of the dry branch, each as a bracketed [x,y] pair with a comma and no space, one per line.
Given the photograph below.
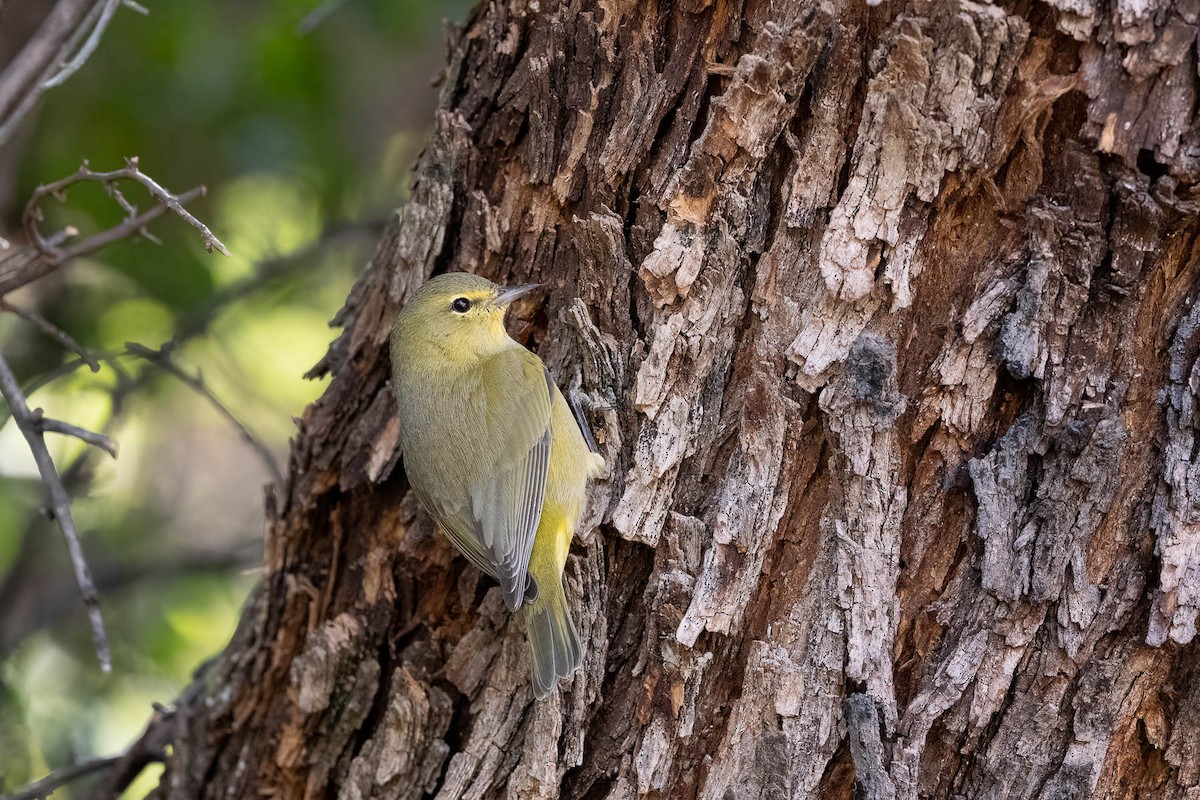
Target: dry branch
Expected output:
[97,440]
[50,329]
[68,36]
[110,576]
[196,322]
[98,19]
[32,426]
[24,71]
[47,253]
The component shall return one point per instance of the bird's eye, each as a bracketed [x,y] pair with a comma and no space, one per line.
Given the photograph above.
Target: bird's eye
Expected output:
[462,305]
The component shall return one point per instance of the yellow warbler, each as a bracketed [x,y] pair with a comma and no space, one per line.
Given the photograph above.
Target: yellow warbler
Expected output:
[493,453]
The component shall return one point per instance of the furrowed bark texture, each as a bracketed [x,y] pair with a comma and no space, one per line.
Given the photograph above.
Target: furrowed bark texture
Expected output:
[887,320]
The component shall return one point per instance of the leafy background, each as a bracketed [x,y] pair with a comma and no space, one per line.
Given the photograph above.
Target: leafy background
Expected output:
[303,126]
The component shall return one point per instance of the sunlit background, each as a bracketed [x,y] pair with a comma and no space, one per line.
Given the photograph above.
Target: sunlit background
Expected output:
[302,117]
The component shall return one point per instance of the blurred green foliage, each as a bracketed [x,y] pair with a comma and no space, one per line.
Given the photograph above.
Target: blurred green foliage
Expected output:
[304,139]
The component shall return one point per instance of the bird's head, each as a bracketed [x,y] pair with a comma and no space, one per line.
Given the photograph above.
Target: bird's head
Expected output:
[458,315]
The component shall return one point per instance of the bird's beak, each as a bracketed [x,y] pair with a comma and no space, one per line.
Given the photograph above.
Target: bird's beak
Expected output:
[511,293]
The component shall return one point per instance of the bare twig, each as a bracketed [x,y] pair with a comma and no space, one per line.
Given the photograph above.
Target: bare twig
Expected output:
[59,778]
[48,253]
[162,360]
[103,14]
[26,264]
[198,321]
[27,67]
[22,258]
[110,181]
[60,505]
[66,39]
[172,202]
[98,440]
[58,372]
[49,328]
[75,478]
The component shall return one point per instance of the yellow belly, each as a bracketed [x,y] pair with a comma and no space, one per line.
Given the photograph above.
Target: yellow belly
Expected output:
[550,548]
[554,643]
[571,464]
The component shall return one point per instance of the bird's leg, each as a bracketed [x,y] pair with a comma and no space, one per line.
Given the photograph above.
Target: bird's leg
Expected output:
[576,400]
[579,400]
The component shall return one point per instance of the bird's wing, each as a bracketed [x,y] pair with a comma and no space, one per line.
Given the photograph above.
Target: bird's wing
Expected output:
[460,528]
[510,485]
[493,523]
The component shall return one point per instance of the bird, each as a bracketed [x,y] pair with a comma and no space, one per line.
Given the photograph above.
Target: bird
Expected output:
[494,453]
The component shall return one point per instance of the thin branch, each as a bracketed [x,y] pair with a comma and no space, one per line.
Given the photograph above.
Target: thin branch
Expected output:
[109,180]
[162,360]
[66,38]
[59,778]
[27,67]
[47,253]
[198,321]
[97,440]
[76,477]
[60,505]
[61,371]
[134,226]
[27,264]
[172,202]
[103,18]
[49,328]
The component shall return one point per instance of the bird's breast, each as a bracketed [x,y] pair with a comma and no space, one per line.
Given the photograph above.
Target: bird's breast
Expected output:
[437,435]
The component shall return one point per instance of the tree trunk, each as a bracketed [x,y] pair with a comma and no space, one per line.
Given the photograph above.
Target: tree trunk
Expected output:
[887,316]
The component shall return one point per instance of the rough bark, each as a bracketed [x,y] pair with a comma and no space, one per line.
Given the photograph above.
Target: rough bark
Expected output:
[887,319]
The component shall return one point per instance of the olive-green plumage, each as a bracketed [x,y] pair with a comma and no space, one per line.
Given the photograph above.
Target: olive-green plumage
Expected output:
[493,453]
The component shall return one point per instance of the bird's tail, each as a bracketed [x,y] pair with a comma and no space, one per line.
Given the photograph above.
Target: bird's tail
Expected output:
[554,648]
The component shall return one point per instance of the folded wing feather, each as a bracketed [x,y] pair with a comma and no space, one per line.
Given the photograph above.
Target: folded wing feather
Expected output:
[495,526]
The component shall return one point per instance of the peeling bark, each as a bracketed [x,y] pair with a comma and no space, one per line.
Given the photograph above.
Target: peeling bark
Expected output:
[887,320]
